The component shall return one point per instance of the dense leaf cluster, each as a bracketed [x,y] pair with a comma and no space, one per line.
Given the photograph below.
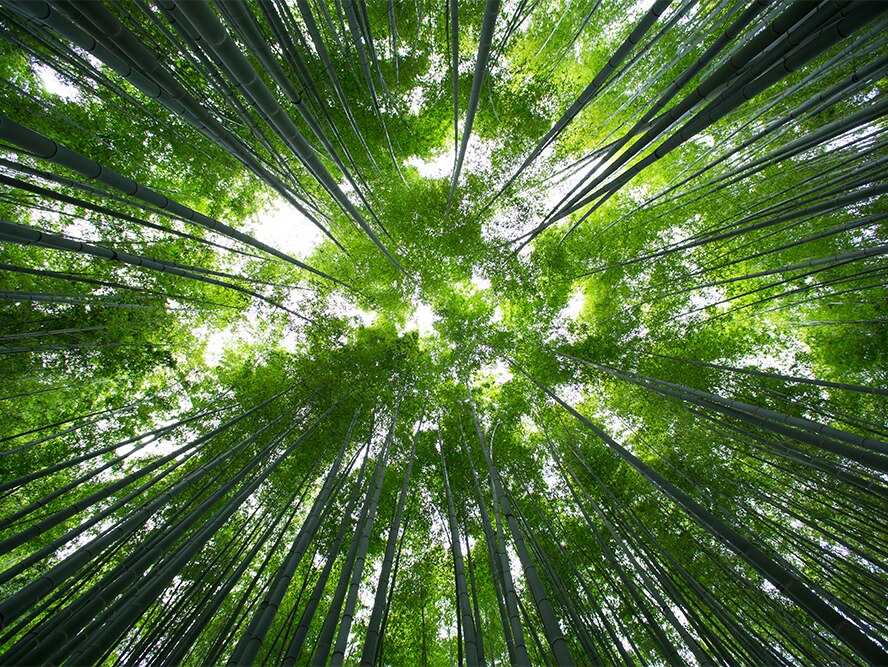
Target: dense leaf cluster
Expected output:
[386,332]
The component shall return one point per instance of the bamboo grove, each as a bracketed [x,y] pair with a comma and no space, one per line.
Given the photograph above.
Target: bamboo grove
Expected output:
[567,348]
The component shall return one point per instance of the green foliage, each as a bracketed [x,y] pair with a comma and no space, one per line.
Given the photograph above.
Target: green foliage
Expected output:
[708,317]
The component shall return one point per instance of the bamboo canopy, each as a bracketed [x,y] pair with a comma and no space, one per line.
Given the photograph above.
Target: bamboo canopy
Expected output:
[366,332]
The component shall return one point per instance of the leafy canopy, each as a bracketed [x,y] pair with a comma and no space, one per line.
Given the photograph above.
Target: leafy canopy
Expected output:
[593,291]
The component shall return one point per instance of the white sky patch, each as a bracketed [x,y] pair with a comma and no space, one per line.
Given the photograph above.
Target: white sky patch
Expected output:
[480,281]
[499,371]
[849,137]
[551,476]
[571,393]
[156,448]
[283,227]
[76,228]
[54,85]
[251,330]
[422,319]
[415,100]
[297,299]
[497,315]
[290,341]
[528,424]
[706,297]
[479,153]
[123,451]
[367,317]
[705,140]
[559,329]
[640,332]
[643,6]
[428,423]
[440,166]
[615,426]
[216,344]
[554,192]
[784,360]
[574,305]
[340,306]
[559,190]
[558,332]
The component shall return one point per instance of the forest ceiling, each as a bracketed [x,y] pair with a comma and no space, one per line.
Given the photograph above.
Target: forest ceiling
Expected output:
[401,332]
